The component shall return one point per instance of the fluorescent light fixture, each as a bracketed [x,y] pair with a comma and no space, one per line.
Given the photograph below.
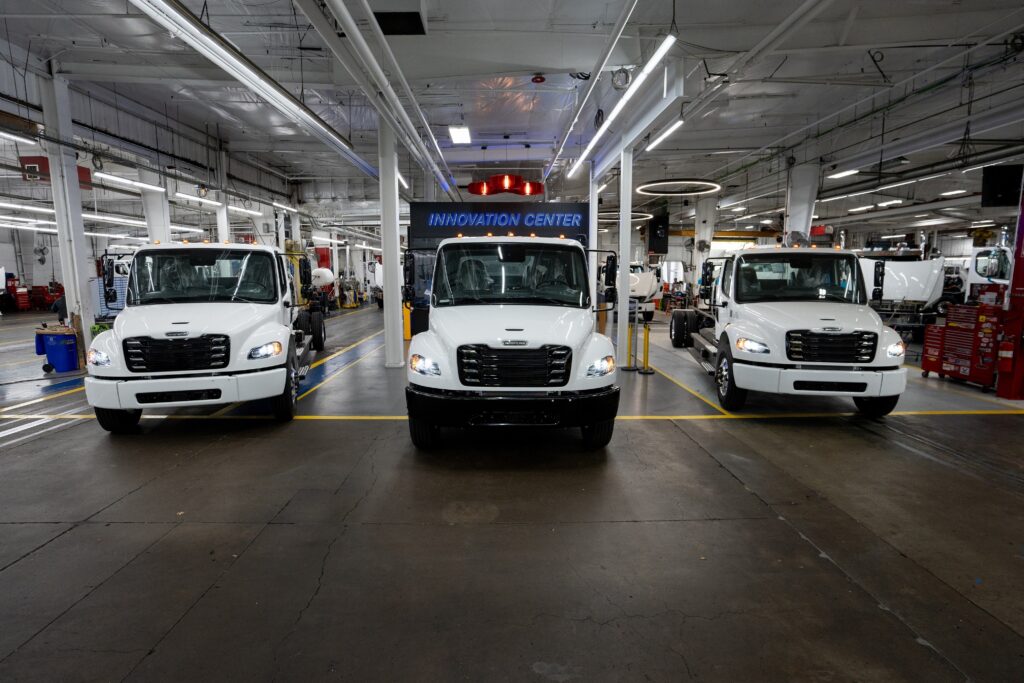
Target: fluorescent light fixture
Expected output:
[766,221]
[955,237]
[201,200]
[814,217]
[652,63]
[953,193]
[191,30]
[921,215]
[748,227]
[739,209]
[182,228]
[980,224]
[460,135]
[844,174]
[661,138]
[364,246]
[891,202]
[862,208]
[118,180]
[247,212]
[52,231]
[286,208]
[103,218]
[27,207]
[317,238]
[17,138]
[33,221]
[601,189]
[894,237]
[402,180]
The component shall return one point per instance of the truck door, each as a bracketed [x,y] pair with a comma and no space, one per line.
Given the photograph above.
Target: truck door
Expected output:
[721,292]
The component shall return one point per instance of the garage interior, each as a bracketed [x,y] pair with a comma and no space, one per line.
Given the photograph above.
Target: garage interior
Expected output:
[796,539]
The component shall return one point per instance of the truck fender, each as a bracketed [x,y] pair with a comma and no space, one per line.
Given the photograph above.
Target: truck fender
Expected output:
[597,346]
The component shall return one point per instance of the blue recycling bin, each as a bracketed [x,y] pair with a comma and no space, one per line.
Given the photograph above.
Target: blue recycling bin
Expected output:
[61,351]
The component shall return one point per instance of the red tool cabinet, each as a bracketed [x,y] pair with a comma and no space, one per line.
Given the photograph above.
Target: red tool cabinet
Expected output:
[966,348]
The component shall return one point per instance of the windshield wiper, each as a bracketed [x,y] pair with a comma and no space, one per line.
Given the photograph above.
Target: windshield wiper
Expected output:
[157,299]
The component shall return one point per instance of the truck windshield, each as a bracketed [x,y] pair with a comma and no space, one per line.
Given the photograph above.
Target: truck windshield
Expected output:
[510,273]
[199,275]
[798,277]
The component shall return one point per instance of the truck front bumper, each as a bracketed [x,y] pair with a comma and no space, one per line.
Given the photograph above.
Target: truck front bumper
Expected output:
[820,382]
[473,408]
[176,392]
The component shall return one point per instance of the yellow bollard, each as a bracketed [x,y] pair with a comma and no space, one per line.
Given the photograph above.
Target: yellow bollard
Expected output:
[629,343]
[646,369]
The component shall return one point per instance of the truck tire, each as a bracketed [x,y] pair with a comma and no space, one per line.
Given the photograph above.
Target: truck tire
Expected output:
[118,421]
[380,302]
[679,329]
[648,316]
[318,334]
[425,435]
[302,322]
[730,396]
[284,403]
[876,406]
[598,434]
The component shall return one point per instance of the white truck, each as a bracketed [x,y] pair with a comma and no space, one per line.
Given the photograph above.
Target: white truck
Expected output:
[911,294]
[793,321]
[645,289]
[203,324]
[511,341]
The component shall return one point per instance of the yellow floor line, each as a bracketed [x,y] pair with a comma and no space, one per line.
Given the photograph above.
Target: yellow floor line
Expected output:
[951,387]
[353,417]
[44,398]
[342,315]
[688,390]
[321,361]
[226,409]
[335,375]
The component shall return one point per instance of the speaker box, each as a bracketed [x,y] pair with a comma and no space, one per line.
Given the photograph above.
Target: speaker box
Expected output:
[657,235]
[1000,185]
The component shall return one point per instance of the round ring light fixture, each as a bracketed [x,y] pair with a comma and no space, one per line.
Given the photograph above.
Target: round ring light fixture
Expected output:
[678,187]
[613,216]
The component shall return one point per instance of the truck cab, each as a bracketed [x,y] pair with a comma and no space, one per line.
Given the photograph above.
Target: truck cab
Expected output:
[793,321]
[203,324]
[511,341]
[645,289]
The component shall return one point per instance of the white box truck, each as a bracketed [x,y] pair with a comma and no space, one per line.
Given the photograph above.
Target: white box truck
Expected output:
[203,324]
[511,341]
[793,321]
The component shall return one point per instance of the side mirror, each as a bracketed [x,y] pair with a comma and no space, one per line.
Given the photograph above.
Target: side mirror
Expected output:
[707,273]
[108,274]
[305,272]
[879,274]
[611,270]
[611,295]
[876,294]
[408,293]
[110,295]
[409,270]
[705,293]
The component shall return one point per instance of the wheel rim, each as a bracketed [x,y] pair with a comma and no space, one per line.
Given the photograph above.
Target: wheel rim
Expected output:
[672,327]
[722,377]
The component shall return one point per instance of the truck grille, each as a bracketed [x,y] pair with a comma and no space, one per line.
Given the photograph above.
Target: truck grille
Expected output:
[208,352]
[482,366]
[820,347]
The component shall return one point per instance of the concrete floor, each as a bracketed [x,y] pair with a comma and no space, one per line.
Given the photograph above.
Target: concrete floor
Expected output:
[793,542]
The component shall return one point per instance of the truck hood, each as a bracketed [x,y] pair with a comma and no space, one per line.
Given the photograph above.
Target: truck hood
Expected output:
[497,325]
[824,316]
[908,281]
[156,320]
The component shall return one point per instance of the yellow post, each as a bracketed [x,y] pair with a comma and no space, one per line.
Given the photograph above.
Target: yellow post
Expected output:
[406,323]
[646,369]
[629,343]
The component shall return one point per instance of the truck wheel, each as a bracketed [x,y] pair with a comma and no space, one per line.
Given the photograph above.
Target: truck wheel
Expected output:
[118,421]
[876,406]
[598,434]
[284,403]
[302,322]
[730,396]
[319,332]
[678,329]
[648,316]
[425,435]
[380,303]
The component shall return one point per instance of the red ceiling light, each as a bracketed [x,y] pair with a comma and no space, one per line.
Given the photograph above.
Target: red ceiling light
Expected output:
[480,187]
[505,182]
[529,188]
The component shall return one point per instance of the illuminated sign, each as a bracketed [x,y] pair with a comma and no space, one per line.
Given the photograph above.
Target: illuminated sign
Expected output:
[431,222]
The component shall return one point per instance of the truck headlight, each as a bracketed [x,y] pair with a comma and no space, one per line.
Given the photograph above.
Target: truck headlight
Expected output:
[896,350]
[751,346]
[601,367]
[266,351]
[423,365]
[97,358]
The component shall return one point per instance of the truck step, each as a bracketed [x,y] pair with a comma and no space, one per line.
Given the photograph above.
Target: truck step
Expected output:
[303,371]
[706,347]
[708,367]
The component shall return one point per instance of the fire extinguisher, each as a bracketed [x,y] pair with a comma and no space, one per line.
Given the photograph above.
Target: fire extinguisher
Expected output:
[1006,356]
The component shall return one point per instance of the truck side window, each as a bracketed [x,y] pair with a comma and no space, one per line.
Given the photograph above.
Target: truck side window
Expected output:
[727,278]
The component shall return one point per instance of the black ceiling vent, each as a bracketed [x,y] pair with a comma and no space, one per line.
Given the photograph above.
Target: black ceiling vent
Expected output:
[401,23]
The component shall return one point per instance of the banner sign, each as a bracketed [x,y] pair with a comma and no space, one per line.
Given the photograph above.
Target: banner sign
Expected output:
[431,222]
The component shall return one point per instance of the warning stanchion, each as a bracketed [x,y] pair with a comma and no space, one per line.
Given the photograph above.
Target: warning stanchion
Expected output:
[630,349]
[646,369]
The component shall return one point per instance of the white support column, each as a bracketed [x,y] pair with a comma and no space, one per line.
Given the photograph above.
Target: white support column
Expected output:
[704,231]
[223,221]
[155,208]
[394,348]
[279,215]
[335,265]
[67,202]
[592,235]
[801,192]
[348,257]
[429,187]
[295,228]
[625,248]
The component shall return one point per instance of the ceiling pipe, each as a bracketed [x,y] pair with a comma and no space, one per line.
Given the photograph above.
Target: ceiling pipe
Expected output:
[365,55]
[179,20]
[396,71]
[595,75]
